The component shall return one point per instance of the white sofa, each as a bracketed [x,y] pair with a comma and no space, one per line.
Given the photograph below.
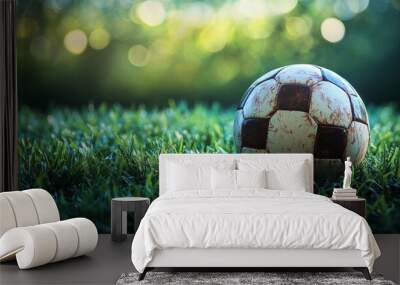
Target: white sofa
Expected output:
[31,230]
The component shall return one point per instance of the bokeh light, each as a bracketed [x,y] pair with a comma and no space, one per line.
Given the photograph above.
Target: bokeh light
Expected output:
[151,12]
[358,6]
[333,30]
[346,10]
[261,8]
[138,55]
[99,39]
[75,41]
[281,6]
[297,27]
[225,70]
[259,29]
[197,14]
[251,9]
[214,37]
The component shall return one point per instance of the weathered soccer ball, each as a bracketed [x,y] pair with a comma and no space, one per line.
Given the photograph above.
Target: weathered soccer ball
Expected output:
[303,108]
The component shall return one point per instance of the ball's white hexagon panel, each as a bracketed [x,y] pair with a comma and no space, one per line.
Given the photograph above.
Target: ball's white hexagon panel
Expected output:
[339,81]
[269,75]
[330,105]
[299,74]
[266,76]
[291,132]
[360,111]
[252,150]
[262,100]
[237,130]
[357,141]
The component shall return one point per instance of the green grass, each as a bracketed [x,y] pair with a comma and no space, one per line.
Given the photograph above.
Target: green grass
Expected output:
[85,157]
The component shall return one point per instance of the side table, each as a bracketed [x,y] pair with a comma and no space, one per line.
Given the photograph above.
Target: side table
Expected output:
[119,208]
[357,205]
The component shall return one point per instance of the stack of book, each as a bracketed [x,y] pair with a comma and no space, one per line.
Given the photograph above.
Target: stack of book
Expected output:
[344,194]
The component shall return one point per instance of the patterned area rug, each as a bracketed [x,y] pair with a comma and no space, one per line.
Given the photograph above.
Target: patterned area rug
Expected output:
[230,278]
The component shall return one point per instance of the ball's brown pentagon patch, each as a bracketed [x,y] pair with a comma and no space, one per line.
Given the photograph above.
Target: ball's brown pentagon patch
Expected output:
[254,133]
[330,142]
[294,97]
[328,168]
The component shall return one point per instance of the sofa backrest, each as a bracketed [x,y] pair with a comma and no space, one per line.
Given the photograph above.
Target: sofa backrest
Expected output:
[26,208]
[284,160]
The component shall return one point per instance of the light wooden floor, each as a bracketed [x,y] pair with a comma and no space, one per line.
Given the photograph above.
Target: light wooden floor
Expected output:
[110,260]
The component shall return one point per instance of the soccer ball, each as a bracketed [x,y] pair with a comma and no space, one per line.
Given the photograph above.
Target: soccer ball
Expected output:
[303,108]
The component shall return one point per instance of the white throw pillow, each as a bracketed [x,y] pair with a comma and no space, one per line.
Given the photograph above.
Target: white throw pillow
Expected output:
[281,174]
[186,174]
[223,179]
[184,177]
[292,179]
[251,178]
[227,179]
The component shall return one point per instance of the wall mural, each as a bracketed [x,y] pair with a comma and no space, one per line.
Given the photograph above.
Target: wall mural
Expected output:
[106,86]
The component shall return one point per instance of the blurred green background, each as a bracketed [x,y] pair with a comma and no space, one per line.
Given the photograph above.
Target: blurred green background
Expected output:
[105,86]
[75,52]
